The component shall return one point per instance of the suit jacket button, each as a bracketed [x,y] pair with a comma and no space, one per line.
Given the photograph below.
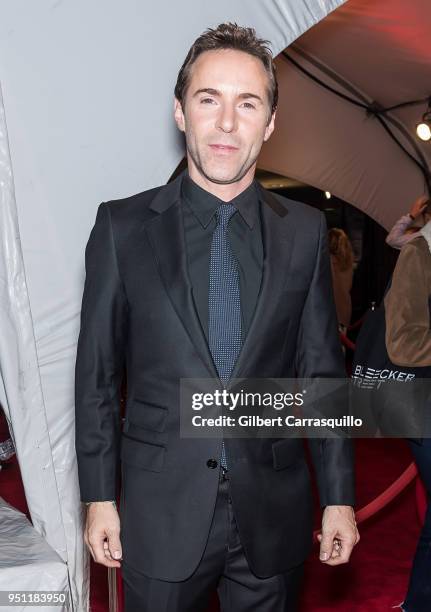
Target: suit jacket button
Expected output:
[212,463]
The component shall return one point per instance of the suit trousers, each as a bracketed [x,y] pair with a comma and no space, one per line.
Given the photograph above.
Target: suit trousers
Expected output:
[224,568]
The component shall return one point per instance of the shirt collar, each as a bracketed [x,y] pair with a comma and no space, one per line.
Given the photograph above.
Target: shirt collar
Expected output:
[204,204]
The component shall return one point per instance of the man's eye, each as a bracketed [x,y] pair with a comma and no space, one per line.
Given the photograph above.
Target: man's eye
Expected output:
[206,100]
[248,105]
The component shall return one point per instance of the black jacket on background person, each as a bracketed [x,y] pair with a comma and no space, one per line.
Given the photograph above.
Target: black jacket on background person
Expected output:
[138,313]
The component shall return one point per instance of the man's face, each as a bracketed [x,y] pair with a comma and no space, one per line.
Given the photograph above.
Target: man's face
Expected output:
[225,114]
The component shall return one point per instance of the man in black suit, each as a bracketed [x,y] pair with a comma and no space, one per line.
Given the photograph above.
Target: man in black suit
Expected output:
[209,276]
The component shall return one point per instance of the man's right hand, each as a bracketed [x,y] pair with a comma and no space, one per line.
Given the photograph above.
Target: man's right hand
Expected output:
[102,533]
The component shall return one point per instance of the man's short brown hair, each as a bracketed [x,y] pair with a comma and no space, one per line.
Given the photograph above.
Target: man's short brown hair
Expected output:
[230,36]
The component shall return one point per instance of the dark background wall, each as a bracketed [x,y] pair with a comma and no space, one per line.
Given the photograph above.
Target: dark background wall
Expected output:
[375,260]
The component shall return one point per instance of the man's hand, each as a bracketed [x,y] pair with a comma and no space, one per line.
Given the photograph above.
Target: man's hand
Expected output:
[102,533]
[418,206]
[339,535]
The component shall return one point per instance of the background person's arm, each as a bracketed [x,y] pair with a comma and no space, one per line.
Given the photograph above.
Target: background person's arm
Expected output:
[398,237]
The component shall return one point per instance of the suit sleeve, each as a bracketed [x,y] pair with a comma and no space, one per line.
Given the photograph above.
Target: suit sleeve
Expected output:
[99,365]
[319,355]
[408,333]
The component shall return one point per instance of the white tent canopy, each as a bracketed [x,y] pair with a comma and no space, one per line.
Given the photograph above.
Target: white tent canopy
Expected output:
[372,51]
[86,116]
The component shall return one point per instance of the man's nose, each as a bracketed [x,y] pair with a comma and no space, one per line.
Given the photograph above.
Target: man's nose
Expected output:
[227,120]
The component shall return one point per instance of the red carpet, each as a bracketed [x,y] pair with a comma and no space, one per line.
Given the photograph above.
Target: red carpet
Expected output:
[376,578]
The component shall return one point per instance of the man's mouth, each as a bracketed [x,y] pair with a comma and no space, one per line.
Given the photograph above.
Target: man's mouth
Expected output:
[222,148]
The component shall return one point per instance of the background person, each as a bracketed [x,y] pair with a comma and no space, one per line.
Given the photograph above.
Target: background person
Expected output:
[408,342]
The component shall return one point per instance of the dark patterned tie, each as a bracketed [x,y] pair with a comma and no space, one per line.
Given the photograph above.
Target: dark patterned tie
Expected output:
[224,302]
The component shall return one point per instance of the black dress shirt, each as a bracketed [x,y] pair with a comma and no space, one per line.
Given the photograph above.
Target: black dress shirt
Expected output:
[245,237]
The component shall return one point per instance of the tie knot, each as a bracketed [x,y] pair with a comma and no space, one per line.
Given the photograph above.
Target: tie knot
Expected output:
[224,212]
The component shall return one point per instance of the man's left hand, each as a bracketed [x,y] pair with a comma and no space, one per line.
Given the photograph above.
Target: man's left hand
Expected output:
[339,535]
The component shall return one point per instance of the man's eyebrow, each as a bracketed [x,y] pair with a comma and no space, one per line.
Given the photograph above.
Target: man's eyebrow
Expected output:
[243,96]
[216,92]
[208,90]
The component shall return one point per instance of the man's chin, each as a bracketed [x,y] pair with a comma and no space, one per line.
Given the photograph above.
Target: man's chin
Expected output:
[222,177]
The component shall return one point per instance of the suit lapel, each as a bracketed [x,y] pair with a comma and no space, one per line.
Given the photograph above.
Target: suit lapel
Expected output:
[166,235]
[278,240]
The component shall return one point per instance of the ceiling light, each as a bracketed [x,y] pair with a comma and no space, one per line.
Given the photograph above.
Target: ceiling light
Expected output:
[423,129]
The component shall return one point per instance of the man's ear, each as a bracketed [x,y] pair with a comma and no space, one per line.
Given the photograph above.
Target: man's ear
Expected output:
[269,128]
[179,115]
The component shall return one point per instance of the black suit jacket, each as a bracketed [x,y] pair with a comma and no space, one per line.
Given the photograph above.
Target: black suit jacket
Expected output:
[138,313]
